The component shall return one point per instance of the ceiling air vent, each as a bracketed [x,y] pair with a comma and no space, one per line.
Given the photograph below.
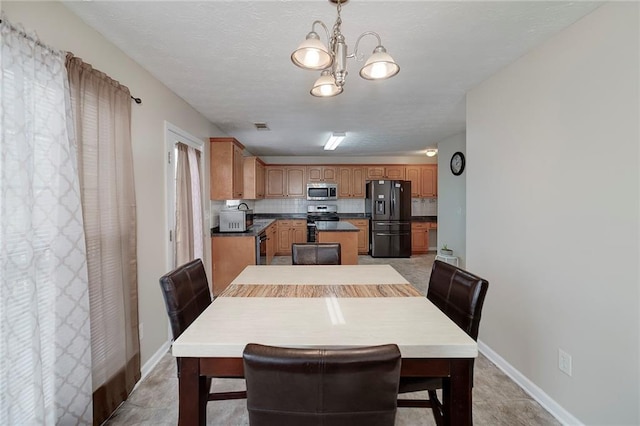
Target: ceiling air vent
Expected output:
[261,126]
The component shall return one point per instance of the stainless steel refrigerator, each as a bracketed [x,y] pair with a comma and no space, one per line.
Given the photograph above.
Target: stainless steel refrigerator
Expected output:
[389,204]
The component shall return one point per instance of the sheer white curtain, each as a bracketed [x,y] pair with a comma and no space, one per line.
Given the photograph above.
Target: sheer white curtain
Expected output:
[45,355]
[189,228]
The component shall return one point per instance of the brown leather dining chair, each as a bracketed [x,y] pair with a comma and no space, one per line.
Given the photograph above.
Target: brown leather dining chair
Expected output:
[460,295]
[314,387]
[186,296]
[315,254]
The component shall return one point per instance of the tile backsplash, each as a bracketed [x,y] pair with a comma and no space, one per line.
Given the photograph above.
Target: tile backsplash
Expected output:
[419,206]
[424,207]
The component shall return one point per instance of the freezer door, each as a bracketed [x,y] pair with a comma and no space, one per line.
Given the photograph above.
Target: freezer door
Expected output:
[390,239]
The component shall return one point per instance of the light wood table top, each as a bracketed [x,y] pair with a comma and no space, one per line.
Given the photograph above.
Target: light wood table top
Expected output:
[320,281]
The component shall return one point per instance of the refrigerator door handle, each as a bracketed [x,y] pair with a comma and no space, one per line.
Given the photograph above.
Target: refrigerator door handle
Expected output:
[393,202]
[387,234]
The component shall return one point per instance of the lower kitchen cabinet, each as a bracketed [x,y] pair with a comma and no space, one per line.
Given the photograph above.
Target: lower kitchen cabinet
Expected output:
[230,255]
[272,241]
[363,234]
[290,231]
[420,236]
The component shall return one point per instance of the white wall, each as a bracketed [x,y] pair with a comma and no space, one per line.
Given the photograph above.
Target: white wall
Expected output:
[452,198]
[552,213]
[59,28]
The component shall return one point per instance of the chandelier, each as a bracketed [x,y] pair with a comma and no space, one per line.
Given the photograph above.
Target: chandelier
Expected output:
[312,54]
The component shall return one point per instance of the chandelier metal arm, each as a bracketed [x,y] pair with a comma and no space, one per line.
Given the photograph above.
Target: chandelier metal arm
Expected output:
[360,57]
[326,30]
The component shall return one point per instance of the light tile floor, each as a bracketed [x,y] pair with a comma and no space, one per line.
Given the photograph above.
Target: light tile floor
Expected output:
[497,400]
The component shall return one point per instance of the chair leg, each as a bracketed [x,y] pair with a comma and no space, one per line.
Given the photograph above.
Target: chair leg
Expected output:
[436,407]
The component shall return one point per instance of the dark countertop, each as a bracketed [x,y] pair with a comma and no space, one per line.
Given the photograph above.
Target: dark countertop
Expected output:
[261,216]
[353,216]
[258,226]
[336,226]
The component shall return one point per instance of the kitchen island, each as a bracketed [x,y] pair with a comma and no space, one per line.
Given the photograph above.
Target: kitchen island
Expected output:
[341,232]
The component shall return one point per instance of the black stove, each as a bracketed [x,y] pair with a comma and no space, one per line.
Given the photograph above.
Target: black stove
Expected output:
[317,213]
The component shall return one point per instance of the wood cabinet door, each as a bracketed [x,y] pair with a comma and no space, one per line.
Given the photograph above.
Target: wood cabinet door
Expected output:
[375,172]
[329,174]
[296,182]
[275,182]
[344,182]
[413,175]
[299,234]
[428,181]
[395,172]
[358,182]
[284,237]
[238,172]
[259,180]
[314,173]
[419,237]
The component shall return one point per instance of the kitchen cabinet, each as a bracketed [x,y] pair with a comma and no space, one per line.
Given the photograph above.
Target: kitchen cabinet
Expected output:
[230,255]
[391,172]
[227,169]
[285,181]
[420,236]
[290,231]
[424,180]
[351,182]
[363,234]
[322,174]
[253,178]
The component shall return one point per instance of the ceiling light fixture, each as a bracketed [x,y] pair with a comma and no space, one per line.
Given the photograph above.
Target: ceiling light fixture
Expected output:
[334,141]
[312,54]
[431,152]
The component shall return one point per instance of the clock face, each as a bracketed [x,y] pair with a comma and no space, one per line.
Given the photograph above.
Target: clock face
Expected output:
[457,163]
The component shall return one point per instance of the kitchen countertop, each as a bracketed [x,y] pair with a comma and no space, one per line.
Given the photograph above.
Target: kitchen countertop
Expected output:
[336,226]
[258,226]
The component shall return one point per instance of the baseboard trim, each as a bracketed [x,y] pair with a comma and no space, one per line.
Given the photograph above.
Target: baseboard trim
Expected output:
[555,409]
[148,366]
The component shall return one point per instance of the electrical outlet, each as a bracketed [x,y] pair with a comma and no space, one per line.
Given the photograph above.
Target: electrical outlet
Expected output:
[564,362]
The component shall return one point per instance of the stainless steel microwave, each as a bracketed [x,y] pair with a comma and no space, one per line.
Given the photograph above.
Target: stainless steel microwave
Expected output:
[322,191]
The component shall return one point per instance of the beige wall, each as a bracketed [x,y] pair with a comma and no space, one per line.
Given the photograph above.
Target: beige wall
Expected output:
[59,28]
[552,213]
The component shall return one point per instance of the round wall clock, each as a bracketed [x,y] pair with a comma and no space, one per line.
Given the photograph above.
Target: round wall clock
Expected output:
[457,163]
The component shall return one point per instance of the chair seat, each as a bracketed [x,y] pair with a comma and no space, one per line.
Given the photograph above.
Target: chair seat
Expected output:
[415,384]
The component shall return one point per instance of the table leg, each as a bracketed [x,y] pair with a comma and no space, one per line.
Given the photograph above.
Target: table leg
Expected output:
[457,393]
[192,394]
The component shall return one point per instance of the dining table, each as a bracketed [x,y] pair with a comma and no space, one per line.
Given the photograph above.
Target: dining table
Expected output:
[329,306]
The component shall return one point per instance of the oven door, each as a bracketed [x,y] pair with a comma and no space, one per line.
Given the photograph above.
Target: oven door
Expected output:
[261,249]
[311,232]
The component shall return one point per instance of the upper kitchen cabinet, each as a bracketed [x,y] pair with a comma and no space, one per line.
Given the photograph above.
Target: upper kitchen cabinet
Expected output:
[227,169]
[424,180]
[285,181]
[392,172]
[322,174]
[254,170]
[351,182]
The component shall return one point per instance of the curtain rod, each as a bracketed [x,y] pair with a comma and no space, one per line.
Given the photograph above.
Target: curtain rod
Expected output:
[39,43]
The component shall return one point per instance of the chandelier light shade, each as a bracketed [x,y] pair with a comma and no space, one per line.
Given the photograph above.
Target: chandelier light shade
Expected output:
[334,141]
[431,152]
[326,86]
[312,54]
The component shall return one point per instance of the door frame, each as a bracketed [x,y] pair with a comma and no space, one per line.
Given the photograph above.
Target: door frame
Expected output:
[172,135]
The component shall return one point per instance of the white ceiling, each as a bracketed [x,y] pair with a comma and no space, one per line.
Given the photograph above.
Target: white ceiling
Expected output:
[230,61]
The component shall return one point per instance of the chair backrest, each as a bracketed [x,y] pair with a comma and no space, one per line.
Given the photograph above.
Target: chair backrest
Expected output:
[459,294]
[340,387]
[315,254]
[186,294]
